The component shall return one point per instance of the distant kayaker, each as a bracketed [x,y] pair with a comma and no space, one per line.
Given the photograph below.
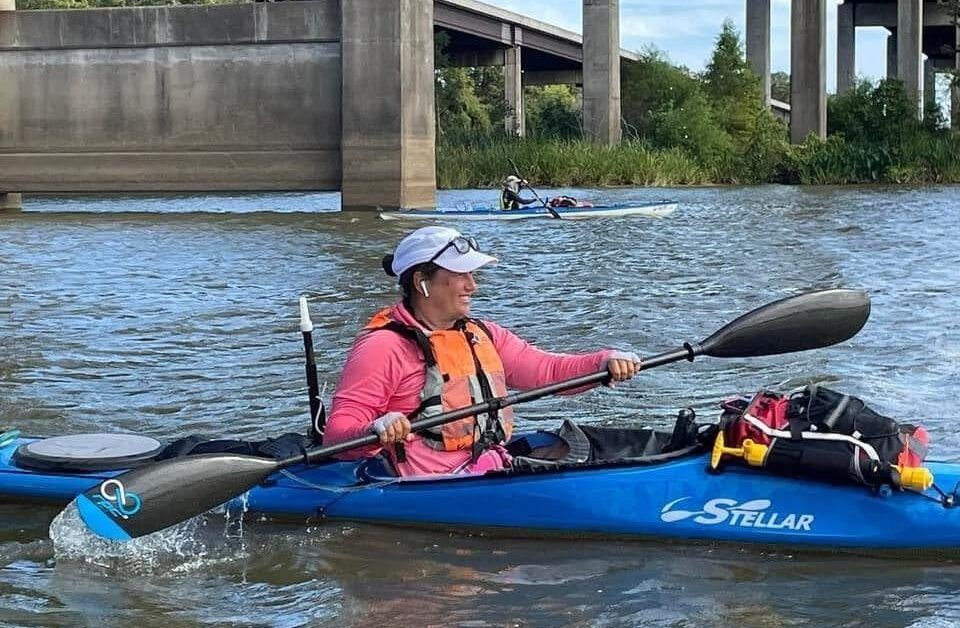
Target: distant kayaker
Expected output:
[425,355]
[510,194]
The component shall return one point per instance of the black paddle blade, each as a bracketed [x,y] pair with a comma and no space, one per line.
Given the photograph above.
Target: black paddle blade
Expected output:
[159,495]
[806,321]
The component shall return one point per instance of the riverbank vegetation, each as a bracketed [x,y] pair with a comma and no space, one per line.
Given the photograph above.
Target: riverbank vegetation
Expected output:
[681,127]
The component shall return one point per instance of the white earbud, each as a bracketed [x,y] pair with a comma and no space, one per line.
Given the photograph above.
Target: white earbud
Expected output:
[423,288]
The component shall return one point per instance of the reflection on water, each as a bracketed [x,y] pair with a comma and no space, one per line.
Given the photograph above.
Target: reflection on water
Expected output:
[175,315]
[357,575]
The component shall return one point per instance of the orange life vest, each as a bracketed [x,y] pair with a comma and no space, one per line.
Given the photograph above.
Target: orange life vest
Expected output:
[462,368]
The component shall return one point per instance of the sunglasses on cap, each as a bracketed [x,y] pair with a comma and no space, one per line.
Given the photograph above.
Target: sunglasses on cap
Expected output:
[461,243]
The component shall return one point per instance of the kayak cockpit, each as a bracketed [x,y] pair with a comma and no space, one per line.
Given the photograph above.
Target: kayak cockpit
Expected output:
[574,446]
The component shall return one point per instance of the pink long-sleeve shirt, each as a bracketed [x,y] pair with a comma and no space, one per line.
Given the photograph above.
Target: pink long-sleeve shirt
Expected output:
[385,373]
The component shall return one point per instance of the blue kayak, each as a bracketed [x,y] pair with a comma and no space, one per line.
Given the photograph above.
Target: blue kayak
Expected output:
[660,209]
[669,496]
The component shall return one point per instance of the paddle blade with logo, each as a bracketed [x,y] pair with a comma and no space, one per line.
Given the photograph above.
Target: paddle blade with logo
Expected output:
[160,495]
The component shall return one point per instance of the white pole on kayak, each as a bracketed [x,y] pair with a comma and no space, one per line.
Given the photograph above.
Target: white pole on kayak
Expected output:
[318,415]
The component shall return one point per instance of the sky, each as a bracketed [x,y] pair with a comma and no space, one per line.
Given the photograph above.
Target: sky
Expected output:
[686,30]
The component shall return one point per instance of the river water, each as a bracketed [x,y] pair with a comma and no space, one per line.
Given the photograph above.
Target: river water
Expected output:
[175,315]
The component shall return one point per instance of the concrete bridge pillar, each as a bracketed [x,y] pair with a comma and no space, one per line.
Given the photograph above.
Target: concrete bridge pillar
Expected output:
[758,43]
[955,108]
[910,47]
[954,87]
[892,54]
[601,71]
[388,113]
[515,122]
[846,47]
[929,84]
[808,69]
[9,200]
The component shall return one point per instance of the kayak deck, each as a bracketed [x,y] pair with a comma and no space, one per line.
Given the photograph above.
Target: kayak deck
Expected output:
[677,499]
[653,210]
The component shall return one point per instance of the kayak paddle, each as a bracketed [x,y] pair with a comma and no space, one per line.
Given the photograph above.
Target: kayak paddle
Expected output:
[159,495]
[552,211]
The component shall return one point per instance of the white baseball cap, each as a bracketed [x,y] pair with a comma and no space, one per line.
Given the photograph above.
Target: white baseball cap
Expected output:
[424,245]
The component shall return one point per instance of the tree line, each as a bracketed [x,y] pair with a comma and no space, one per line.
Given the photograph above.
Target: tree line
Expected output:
[684,127]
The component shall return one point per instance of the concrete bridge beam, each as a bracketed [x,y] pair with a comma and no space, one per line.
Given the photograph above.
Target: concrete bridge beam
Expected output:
[808,68]
[846,47]
[388,131]
[188,98]
[601,71]
[910,47]
[758,43]
[553,77]
[514,123]
[942,65]
[884,14]
[476,58]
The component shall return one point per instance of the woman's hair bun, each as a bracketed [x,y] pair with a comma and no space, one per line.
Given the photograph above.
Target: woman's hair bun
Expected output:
[387,263]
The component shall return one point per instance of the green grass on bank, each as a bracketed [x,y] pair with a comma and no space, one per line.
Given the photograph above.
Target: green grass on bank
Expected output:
[912,159]
[923,158]
[565,163]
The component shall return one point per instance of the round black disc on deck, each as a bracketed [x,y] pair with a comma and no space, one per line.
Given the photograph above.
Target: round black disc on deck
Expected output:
[87,452]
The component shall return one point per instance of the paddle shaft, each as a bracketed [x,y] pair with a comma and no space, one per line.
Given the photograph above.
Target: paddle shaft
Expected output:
[486,406]
[552,211]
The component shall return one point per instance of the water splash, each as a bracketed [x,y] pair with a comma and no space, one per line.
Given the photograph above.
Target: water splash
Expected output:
[186,547]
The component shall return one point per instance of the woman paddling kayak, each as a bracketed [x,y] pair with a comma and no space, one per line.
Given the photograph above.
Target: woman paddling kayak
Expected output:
[425,355]
[510,194]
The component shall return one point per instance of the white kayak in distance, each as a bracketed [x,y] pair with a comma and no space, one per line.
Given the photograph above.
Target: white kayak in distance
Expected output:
[660,209]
